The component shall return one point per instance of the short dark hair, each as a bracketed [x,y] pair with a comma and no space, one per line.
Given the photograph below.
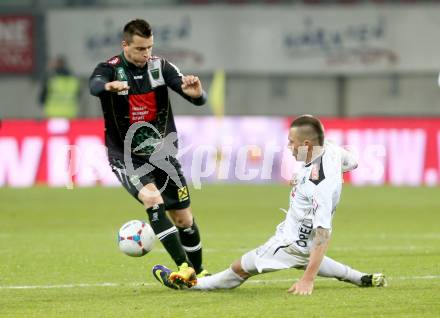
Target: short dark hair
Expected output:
[314,123]
[138,27]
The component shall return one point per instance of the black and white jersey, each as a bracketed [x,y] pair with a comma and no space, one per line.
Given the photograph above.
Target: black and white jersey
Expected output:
[146,100]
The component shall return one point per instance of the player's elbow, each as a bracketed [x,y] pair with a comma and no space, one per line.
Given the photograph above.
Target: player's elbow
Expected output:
[96,86]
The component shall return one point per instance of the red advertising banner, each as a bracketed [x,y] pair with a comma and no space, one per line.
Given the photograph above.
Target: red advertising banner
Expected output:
[396,151]
[17,44]
[63,153]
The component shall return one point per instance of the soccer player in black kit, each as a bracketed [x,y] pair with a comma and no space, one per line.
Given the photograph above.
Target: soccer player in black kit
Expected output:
[133,90]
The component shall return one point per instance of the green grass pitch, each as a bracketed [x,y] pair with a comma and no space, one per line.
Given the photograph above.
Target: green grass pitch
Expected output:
[59,257]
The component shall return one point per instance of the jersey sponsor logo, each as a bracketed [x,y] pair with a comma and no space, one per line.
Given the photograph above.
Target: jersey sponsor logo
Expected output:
[155,73]
[138,77]
[304,231]
[120,74]
[114,60]
[122,77]
[142,107]
[135,180]
[155,217]
[189,231]
[124,92]
[182,193]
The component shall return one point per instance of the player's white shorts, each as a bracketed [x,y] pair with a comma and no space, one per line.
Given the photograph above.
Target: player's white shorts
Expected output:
[273,255]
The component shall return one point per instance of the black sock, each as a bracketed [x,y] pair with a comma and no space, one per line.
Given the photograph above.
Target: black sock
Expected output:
[190,238]
[166,232]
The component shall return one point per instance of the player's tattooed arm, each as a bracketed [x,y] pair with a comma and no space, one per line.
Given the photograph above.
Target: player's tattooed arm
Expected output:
[320,243]
[322,237]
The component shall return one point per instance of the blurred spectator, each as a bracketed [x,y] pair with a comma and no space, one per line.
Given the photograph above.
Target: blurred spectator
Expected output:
[59,95]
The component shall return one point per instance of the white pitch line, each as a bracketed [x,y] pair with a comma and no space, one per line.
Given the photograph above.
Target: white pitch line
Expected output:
[332,249]
[252,281]
[271,281]
[76,285]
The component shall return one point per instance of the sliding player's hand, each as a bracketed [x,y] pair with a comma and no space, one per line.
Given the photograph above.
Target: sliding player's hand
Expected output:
[192,86]
[116,86]
[302,287]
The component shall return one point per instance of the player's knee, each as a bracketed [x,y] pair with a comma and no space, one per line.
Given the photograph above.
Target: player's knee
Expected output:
[150,196]
[182,218]
[149,202]
[183,222]
[238,269]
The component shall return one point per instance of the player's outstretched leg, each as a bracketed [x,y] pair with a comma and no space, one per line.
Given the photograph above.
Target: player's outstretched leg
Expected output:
[162,274]
[334,269]
[227,279]
[184,278]
[230,278]
[374,280]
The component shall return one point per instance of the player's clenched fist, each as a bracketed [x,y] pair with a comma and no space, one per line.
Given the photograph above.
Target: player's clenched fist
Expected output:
[116,86]
[192,86]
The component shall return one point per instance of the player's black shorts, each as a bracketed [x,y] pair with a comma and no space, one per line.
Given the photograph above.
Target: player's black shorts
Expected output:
[174,197]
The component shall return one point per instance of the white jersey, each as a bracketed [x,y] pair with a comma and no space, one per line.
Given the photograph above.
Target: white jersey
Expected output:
[314,197]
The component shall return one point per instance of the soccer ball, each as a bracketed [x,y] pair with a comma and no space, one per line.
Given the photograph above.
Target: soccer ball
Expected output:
[136,238]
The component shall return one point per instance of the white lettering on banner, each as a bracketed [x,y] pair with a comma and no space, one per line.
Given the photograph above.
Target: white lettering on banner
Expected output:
[289,165]
[92,164]
[270,151]
[16,60]
[197,171]
[432,174]
[106,36]
[19,170]
[322,40]
[240,166]
[335,135]
[224,156]
[58,126]
[59,166]
[370,147]
[406,156]
[358,40]
[437,172]
[183,151]
[58,150]
[71,166]
[438,150]
[243,151]
[431,177]
[14,33]
[16,37]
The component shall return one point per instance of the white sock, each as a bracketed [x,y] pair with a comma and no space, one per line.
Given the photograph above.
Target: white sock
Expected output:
[227,279]
[331,268]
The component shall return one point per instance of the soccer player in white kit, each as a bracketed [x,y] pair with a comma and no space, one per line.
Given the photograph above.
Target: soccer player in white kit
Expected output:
[302,239]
